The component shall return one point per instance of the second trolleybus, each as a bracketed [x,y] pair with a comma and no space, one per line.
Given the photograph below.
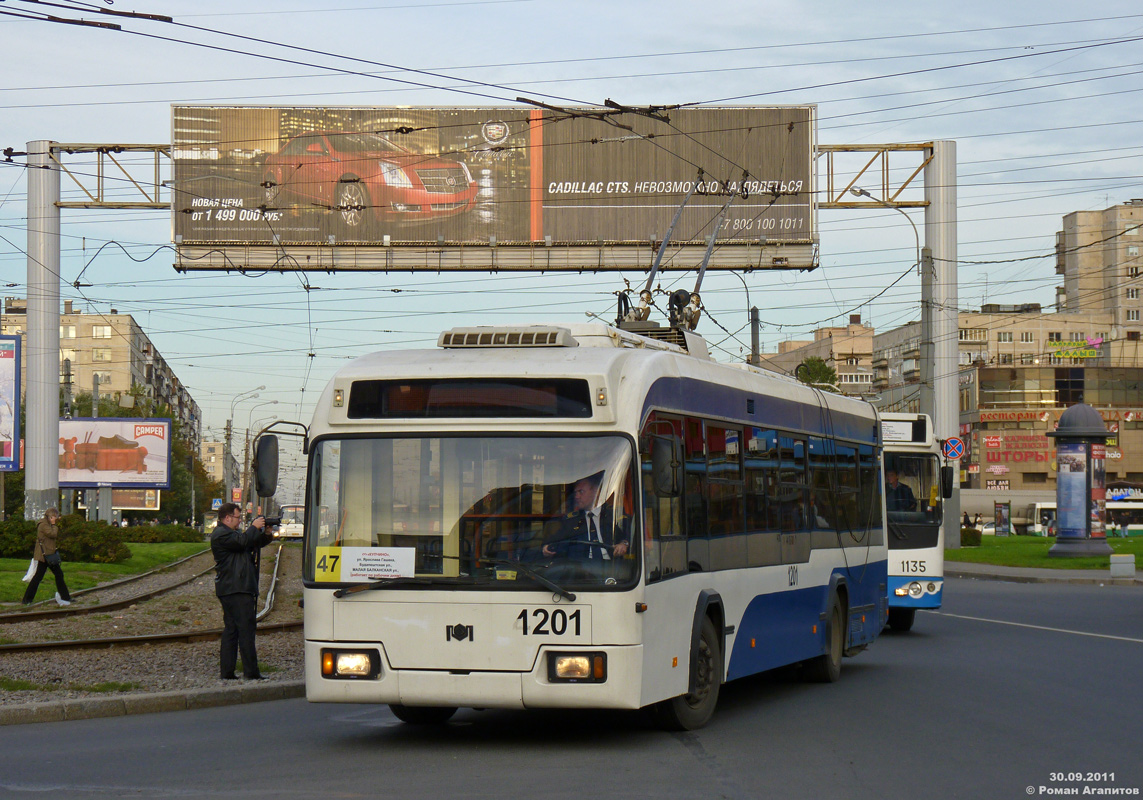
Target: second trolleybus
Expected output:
[915,515]
[449,561]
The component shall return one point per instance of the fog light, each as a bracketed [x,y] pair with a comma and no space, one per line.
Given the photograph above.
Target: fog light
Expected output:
[357,664]
[577,667]
[915,589]
[350,664]
[932,588]
[901,591]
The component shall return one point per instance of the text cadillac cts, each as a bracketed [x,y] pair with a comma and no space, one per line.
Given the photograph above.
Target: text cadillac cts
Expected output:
[365,177]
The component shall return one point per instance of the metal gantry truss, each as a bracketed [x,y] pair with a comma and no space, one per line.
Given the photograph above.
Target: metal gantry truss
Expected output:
[888,192]
[108,158]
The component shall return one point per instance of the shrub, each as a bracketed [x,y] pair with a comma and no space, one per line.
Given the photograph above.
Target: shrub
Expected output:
[99,542]
[160,533]
[79,540]
[17,538]
[969,537]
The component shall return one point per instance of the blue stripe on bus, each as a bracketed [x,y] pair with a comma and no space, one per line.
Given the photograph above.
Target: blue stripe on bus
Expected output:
[781,624]
[692,396]
[932,600]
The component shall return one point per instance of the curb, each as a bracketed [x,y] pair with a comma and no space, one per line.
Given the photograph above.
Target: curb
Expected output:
[95,707]
[1095,580]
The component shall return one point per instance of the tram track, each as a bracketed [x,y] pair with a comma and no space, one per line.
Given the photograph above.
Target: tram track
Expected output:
[186,636]
[34,614]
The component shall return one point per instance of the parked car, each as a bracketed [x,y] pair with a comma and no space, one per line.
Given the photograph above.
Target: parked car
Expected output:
[365,177]
[988,529]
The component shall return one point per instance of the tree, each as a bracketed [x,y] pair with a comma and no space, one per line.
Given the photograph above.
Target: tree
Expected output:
[816,372]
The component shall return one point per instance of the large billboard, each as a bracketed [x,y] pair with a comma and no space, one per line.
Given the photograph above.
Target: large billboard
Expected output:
[10,403]
[120,453]
[456,188]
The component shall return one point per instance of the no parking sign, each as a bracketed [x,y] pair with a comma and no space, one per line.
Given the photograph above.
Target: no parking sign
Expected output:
[953,447]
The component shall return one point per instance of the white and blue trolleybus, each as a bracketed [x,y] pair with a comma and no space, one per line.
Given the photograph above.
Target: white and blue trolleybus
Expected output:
[916,486]
[582,517]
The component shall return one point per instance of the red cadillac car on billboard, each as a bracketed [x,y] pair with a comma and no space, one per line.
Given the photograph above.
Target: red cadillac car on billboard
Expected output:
[364,177]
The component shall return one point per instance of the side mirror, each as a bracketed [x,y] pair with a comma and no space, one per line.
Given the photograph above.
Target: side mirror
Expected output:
[666,466]
[266,465]
[946,482]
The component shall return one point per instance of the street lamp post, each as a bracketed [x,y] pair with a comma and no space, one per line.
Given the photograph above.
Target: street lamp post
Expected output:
[924,269]
[226,459]
[246,445]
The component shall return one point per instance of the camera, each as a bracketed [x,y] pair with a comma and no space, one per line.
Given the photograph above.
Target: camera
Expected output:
[273,522]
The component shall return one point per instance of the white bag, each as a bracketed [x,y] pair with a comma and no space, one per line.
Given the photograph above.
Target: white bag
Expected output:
[31,573]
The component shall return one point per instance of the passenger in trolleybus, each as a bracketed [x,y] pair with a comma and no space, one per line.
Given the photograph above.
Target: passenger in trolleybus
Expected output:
[589,531]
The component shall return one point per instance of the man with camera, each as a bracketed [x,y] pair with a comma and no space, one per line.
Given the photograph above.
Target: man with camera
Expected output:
[236,584]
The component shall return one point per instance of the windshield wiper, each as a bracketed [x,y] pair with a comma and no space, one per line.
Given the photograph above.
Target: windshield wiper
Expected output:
[531,573]
[384,583]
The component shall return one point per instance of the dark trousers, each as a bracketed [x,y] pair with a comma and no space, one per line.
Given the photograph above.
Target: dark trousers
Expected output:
[239,613]
[34,584]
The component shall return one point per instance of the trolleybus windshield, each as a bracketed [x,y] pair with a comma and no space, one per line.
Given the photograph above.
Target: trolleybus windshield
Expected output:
[459,508]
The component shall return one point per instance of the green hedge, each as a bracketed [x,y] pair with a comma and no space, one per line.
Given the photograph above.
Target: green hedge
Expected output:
[969,537]
[79,540]
[160,533]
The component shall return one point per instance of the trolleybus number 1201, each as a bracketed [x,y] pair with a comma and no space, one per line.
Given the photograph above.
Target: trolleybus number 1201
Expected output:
[549,623]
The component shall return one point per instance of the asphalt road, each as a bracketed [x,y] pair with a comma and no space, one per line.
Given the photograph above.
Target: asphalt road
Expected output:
[1010,689]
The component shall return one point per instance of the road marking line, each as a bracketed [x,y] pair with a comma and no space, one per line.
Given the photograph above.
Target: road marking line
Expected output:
[1040,627]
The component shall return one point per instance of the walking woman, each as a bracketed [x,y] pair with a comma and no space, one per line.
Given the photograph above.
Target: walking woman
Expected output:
[48,557]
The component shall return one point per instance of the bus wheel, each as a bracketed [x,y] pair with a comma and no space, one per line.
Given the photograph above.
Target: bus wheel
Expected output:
[826,668]
[901,619]
[691,711]
[422,715]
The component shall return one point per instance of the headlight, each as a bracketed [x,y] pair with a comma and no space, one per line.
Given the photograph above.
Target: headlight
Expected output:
[467,174]
[395,176]
[915,589]
[577,667]
[350,664]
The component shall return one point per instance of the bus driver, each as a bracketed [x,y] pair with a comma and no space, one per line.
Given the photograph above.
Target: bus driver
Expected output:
[898,496]
[587,523]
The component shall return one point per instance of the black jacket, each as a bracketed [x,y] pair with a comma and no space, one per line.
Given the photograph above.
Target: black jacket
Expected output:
[236,559]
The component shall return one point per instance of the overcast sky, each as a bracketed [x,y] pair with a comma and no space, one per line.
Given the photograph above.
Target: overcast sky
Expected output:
[1043,101]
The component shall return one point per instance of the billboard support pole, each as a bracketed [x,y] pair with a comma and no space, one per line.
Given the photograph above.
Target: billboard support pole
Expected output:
[103,493]
[940,280]
[41,470]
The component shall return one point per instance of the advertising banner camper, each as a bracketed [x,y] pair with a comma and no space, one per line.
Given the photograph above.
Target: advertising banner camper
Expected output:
[120,453]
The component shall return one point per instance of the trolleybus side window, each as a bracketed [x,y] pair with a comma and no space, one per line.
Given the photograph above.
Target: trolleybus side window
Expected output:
[761,511]
[694,496]
[789,496]
[847,489]
[665,541]
[725,497]
[821,516]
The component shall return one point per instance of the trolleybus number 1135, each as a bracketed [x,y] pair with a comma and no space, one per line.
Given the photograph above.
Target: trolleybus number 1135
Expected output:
[549,623]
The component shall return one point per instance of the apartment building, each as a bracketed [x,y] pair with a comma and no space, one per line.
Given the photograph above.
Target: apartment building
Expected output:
[213,455]
[113,347]
[848,350]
